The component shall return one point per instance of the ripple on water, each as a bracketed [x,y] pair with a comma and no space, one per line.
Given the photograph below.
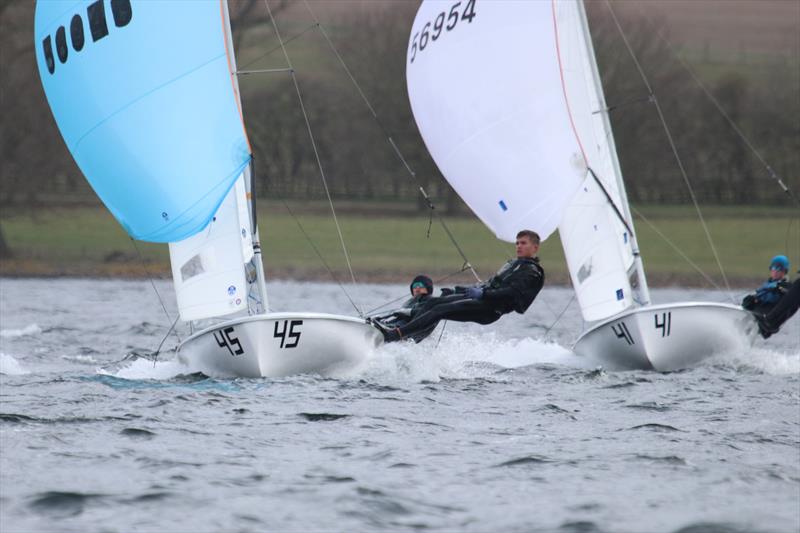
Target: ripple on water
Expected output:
[666,459]
[56,504]
[649,406]
[526,460]
[137,433]
[322,417]
[654,427]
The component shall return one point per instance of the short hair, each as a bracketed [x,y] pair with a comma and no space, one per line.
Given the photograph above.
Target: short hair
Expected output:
[531,235]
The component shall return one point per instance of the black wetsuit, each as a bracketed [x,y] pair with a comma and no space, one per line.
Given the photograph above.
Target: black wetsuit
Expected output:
[781,311]
[411,308]
[513,288]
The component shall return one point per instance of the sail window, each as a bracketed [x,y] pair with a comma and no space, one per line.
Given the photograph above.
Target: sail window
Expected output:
[191,268]
[122,11]
[47,45]
[97,20]
[76,33]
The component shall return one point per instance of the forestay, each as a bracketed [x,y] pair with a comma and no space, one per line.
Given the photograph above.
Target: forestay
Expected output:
[143,96]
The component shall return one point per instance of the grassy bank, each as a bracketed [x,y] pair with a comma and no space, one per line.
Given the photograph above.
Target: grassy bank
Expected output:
[87,241]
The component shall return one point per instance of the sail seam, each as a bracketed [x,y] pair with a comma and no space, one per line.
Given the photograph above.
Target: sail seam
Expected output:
[144,95]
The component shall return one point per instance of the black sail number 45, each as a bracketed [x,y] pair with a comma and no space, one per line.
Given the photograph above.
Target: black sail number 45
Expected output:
[288,330]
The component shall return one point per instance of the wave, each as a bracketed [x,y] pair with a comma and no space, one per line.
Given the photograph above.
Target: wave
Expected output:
[763,360]
[32,329]
[145,369]
[463,356]
[10,366]
[82,359]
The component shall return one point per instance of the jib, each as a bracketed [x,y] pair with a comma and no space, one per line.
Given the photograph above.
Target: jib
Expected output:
[98,27]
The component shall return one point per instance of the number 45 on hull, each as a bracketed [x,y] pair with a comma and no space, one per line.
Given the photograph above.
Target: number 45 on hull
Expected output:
[280,344]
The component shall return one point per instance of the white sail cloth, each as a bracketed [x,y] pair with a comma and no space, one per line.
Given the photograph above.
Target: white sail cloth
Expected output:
[488,100]
[208,268]
[508,101]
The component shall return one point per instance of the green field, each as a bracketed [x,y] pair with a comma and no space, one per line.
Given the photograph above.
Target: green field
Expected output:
[88,241]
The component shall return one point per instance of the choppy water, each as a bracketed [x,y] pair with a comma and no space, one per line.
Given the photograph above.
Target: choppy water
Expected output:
[499,428]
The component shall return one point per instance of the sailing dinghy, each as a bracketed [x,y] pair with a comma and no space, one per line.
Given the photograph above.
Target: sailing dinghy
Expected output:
[508,99]
[146,97]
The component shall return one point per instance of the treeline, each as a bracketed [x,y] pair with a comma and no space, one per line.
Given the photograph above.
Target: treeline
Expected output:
[359,161]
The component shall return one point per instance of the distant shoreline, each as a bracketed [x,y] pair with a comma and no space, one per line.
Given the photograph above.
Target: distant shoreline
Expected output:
[26,268]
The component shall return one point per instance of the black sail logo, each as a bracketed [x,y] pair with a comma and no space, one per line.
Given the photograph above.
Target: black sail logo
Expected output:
[121,12]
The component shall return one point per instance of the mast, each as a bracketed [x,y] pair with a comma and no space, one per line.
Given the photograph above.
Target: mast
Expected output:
[259,264]
[249,172]
[642,289]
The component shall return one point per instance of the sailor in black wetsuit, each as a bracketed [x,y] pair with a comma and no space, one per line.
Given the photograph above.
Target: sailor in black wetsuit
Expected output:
[421,296]
[776,300]
[513,288]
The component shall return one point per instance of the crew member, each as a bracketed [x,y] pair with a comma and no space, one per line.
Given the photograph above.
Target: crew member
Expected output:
[421,296]
[513,288]
[772,303]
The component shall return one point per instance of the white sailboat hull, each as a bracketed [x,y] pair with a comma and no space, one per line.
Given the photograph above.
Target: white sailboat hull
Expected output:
[280,344]
[668,337]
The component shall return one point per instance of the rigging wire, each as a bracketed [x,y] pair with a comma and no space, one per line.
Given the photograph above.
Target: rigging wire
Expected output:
[772,174]
[390,139]
[674,148]
[561,314]
[313,145]
[321,258]
[436,281]
[287,41]
[675,247]
[153,285]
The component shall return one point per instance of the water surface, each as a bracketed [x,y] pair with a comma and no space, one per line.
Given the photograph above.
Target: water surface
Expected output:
[484,429]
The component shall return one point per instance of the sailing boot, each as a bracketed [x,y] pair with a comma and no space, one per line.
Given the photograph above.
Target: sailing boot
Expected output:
[390,333]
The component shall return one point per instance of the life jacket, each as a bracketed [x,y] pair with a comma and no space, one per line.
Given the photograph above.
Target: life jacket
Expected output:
[515,285]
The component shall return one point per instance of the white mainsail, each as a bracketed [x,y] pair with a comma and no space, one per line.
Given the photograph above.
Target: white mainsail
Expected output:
[208,268]
[597,244]
[508,101]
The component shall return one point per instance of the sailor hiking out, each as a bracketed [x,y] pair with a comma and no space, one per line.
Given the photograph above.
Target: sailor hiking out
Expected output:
[512,288]
[421,297]
[776,300]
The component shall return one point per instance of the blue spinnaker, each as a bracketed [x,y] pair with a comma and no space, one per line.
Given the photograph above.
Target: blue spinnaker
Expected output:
[144,98]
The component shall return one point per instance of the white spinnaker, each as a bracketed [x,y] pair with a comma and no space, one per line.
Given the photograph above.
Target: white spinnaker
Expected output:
[597,245]
[488,100]
[208,267]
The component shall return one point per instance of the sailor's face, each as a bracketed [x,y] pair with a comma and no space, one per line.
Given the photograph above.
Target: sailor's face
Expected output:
[776,273]
[418,291]
[525,248]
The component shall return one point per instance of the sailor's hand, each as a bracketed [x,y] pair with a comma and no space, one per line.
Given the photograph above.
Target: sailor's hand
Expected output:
[476,293]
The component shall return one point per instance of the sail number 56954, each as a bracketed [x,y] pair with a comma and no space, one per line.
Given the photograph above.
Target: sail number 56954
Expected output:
[426,36]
